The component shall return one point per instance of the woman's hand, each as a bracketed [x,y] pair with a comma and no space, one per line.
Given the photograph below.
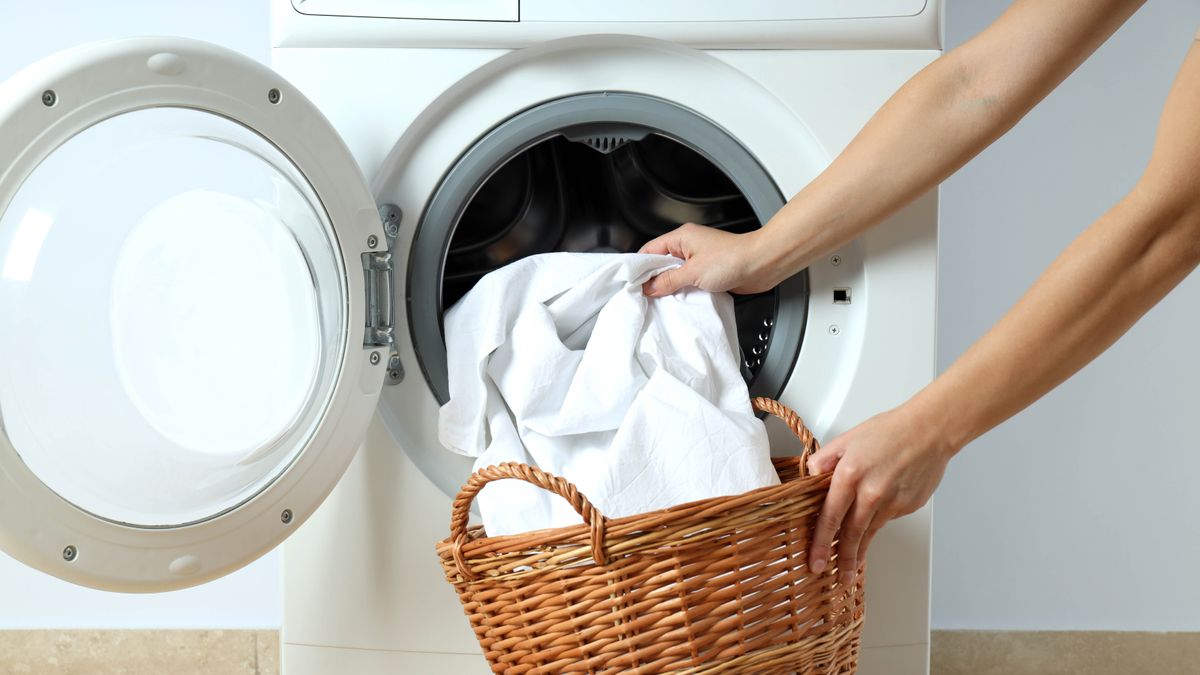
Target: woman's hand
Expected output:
[886,467]
[713,260]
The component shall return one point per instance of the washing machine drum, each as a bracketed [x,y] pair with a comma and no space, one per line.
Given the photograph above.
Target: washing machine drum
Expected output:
[597,172]
[563,195]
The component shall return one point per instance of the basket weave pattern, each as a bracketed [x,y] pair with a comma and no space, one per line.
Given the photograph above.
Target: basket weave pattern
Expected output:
[720,585]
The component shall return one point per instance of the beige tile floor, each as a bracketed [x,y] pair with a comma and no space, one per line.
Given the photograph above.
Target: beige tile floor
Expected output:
[257,653]
[130,652]
[1064,653]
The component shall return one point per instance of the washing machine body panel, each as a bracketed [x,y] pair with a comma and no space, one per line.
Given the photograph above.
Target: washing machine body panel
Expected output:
[897,356]
[362,587]
[361,574]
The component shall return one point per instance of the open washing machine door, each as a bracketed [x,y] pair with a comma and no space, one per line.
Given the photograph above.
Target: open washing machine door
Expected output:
[194,312]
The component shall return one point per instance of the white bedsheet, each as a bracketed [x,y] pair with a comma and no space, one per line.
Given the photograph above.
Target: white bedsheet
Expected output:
[559,361]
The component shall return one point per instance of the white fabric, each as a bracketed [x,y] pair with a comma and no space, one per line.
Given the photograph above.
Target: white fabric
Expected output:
[559,361]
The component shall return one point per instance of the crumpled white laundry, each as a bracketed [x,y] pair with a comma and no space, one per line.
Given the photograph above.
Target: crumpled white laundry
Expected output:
[559,361]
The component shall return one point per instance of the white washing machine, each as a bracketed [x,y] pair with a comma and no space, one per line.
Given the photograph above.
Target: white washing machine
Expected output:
[203,302]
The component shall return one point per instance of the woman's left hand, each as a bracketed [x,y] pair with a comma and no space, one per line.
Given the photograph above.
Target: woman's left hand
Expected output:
[884,468]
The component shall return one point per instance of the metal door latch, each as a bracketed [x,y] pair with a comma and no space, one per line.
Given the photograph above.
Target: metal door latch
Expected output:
[379,275]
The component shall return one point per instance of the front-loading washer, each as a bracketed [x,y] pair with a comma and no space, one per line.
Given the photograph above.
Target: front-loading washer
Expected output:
[486,136]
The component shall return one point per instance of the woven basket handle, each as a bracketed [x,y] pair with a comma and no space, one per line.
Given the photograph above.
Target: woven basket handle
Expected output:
[793,422]
[460,513]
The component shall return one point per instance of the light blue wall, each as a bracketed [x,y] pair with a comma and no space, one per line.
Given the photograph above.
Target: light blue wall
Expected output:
[1083,512]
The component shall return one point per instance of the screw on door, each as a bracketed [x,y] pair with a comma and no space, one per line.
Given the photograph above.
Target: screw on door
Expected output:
[70,553]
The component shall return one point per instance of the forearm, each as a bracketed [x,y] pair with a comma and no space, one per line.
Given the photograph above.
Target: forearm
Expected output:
[921,135]
[936,122]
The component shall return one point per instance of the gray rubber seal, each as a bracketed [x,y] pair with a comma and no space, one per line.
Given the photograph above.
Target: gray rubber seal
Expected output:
[575,116]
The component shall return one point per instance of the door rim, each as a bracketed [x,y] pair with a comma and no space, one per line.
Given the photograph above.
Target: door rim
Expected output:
[50,102]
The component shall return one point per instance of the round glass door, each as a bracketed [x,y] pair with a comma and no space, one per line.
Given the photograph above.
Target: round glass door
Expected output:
[172,317]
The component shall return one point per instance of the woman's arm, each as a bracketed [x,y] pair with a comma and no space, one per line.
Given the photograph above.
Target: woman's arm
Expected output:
[1098,287]
[934,124]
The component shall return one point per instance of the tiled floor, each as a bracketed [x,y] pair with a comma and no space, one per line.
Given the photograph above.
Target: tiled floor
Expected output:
[257,653]
[130,652]
[1064,653]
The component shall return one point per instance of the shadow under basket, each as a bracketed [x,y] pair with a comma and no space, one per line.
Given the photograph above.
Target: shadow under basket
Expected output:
[720,585]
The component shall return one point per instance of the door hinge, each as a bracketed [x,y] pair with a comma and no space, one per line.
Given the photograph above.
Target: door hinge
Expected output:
[380,275]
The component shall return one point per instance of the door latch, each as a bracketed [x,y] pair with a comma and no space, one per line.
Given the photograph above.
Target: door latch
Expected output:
[379,273]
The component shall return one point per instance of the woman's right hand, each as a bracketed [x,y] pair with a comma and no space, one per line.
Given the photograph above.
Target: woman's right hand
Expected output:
[713,260]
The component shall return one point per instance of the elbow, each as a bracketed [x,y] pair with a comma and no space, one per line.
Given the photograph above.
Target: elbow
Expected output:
[1190,226]
[1170,207]
[1192,242]
[986,95]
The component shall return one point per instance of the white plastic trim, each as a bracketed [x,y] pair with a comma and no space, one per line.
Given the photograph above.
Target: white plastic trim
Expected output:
[715,11]
[823,25]
[98,81]
[459,10]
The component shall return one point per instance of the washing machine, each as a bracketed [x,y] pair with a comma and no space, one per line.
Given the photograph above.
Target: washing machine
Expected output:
[222,284]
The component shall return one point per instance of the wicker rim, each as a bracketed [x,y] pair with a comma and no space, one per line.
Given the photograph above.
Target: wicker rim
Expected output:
[596,521]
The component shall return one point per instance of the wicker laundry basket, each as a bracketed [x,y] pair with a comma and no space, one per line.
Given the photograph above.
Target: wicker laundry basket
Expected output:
[720,585]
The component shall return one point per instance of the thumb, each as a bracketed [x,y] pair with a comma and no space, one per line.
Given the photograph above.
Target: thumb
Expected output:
[668,282]
[825,459]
